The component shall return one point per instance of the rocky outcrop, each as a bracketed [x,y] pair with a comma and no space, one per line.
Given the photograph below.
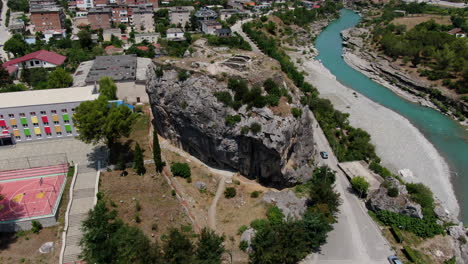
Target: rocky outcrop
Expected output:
[288,202]
[247,236]
[189,115]
[459,235]
[380,200]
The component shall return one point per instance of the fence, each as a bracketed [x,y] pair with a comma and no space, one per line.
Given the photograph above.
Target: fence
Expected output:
[33,162]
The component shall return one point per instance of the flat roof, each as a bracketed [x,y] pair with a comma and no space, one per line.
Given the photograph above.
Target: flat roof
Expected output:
[117,67]
[45,97]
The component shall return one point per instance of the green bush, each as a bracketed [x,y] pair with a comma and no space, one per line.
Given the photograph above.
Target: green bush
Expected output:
[296,112]
[36,227]
[255,194]
[423,196]
[275,215]
[424,228]
[71,171]
[360,185]
[242,229]
[182,75]
[231,120]
[243,245]
[393,192]
[259,224]
[255,127]
[230,192]
[181,170]
[224,97]
[245,130]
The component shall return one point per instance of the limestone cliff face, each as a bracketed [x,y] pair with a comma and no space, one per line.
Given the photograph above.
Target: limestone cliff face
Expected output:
[189,115]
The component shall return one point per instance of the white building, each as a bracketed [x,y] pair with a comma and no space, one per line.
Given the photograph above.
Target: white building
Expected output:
[175,34]
[150,37]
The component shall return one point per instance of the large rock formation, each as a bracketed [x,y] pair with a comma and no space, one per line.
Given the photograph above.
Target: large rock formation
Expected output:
[292,206]
[189,115]
[380,200]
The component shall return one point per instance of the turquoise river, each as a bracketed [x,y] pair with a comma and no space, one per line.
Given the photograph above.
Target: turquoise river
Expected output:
[449,138]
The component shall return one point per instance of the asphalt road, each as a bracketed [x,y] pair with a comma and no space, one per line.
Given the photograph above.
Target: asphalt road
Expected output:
[355,238]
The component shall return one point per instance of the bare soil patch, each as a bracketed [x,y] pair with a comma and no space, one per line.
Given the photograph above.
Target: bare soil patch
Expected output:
[411,21]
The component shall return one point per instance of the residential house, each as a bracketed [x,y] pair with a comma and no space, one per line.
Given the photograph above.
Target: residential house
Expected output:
[210,26]
[205,14]
[227,13]
[37,59]
[142,19]
[47,18]
[175,34]
[121,14]
[223,32]
[180,15]
[16,24]
[84,4]
[54,34]
[112,50]
[149,37]
[100,17]
[457,32]
[107,33]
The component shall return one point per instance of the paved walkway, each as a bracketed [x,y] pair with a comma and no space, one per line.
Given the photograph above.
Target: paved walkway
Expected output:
[83,200]
[237,27]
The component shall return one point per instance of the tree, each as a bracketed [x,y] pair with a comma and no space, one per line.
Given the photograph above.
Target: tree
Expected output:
[178,249]
[5,78]
[59,78]
[131,245]
[138,162]
[230,192]
[360,184]
[209,247]
[19,5]
[85,40]
[16,45]
[98,121]
[97,231]
[157,153]
[108,88]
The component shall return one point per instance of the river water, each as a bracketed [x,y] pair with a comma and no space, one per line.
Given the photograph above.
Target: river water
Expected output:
[448,137]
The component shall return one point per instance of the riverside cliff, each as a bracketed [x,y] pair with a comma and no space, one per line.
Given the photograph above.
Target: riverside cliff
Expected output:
[188,114]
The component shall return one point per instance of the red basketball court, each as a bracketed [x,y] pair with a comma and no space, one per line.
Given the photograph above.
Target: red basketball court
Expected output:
[31,192]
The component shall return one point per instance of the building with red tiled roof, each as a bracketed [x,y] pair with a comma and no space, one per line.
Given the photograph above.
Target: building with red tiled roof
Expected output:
[37,59]
[143,48]
[111,50]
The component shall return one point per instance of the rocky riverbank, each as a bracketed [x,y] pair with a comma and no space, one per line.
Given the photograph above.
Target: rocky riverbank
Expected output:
[379,69]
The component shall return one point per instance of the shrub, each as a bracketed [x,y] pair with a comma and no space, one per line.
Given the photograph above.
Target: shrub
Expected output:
[231,120]
[224,97]
[275,215]
[137,218]
[182,75]
[70,173]
[296,112]
[255,127]
[189,180]
[423,196]
[424,228]
[242,229]
[259,224]
[245,130]
[255,194]
[243,245]
[154,226]
[360,185]
[173,192]
[230,192]
[393,192]
[181,170]
[36,227]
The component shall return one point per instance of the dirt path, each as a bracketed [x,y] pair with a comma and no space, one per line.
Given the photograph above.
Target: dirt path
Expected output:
[214,203]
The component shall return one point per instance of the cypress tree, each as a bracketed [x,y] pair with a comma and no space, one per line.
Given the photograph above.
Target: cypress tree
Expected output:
[139,165]
[157,153]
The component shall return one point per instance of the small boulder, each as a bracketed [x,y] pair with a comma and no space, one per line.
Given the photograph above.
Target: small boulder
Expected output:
[401,204]
[247,236]
[46,247]
[200,185]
